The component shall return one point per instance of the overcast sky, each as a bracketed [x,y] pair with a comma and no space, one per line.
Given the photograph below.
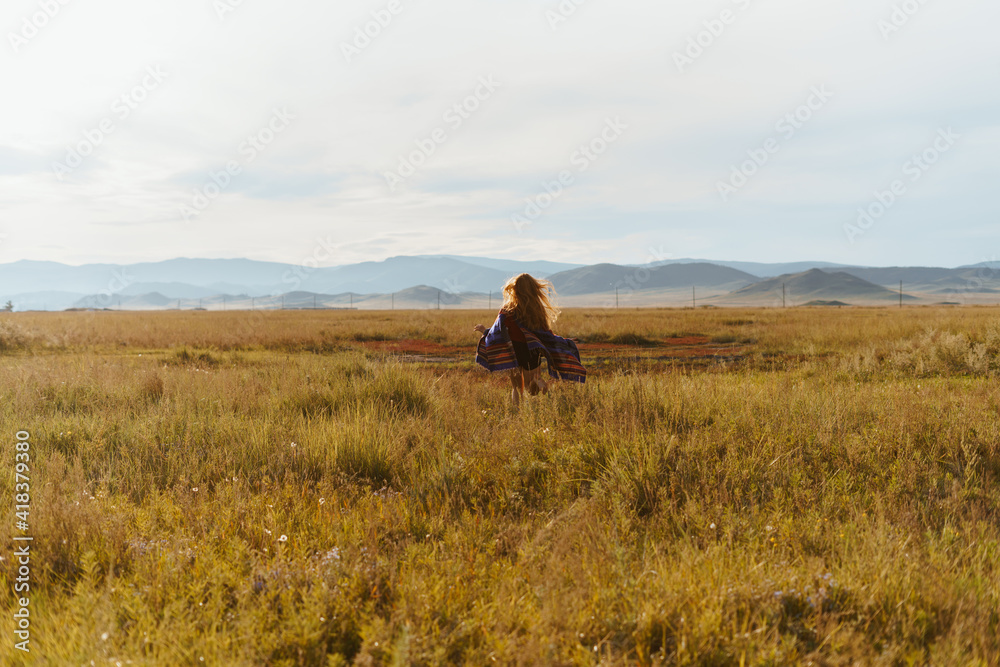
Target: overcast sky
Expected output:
[741,130]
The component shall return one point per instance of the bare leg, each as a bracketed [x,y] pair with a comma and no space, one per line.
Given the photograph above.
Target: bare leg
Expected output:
[517,386]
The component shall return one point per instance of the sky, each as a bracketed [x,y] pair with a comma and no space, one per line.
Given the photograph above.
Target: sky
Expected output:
[852,131]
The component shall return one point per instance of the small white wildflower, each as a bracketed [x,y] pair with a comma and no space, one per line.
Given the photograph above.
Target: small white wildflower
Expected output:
[195,489]
[283,538]
[267,531]
[104,637]
[322,500]
[293,444]
[712,526]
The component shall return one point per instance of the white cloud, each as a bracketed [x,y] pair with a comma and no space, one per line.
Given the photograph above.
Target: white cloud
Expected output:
[324,175]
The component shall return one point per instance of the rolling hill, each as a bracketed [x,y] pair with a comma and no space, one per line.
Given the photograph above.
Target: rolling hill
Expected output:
[815,285]
[603,278]
[931,279]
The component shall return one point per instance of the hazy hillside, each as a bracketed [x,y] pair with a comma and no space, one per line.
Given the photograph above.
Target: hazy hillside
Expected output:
[932,279]
[602,278]
[172,290]
[150,301]
[29,276]
[399,273]
[44,300]
[815,285]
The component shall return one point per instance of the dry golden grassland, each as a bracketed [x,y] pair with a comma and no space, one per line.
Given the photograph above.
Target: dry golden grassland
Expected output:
[756,487]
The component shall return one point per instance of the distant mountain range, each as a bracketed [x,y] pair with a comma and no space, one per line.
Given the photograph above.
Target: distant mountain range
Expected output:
[455,281]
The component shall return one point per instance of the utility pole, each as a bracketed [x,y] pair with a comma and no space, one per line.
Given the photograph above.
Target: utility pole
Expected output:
[314,302]
[282,301]
[782,295]
[491,299]
[616,297]
[900,293]
[694,298]
[352,300]
[439,299]
[223,303]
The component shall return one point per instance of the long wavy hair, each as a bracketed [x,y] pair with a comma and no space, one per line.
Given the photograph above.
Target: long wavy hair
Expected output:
[529,301]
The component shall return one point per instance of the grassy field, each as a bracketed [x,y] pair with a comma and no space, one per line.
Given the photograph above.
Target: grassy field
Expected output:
[744,487]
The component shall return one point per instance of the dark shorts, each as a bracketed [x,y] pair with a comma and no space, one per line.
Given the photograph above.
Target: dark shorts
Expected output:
[527,359]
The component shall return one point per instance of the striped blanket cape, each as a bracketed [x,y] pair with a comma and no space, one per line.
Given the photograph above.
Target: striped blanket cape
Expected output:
[496,353]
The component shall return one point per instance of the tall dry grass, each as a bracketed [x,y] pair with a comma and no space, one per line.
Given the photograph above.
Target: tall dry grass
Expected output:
[206,494]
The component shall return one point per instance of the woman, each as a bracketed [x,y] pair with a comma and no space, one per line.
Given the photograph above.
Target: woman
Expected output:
[522,336]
